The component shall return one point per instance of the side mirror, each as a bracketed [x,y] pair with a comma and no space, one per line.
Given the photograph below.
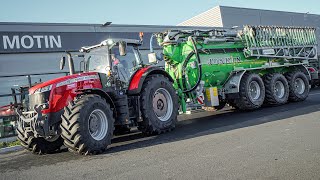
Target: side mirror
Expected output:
[152,58]
[122,48]
[62,62]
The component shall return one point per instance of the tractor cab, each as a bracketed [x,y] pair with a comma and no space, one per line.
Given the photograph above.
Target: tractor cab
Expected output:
[118,58]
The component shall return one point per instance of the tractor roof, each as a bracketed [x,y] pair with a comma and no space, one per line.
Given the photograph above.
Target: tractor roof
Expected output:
[111,41]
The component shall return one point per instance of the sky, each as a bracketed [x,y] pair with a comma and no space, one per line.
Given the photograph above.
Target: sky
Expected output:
[147,12]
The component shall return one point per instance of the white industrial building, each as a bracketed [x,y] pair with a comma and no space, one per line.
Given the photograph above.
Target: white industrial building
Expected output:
[224,16]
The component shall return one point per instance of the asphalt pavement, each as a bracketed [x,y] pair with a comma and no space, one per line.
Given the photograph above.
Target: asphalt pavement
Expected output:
[271,143]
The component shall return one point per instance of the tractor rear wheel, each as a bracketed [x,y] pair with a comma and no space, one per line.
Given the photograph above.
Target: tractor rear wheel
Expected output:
[277,89]
[252,92]
[87,125]
[38,145]
[159,105]
[298,86]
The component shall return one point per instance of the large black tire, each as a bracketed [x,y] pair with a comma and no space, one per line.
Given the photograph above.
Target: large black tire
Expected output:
[78,122]
[277,89]
[298,92]
[150,97]
[38,145]
[250,85]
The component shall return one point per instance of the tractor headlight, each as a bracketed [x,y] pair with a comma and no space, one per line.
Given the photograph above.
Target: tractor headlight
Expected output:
[110,42]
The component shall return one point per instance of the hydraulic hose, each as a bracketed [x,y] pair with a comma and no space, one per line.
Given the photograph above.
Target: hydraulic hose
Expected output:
[195,51]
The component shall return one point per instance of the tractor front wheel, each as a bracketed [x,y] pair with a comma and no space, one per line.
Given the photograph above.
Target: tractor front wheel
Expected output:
[38,145]
[87,125]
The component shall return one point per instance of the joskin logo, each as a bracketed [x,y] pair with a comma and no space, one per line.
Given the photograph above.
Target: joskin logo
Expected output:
[31,42]
[224,60]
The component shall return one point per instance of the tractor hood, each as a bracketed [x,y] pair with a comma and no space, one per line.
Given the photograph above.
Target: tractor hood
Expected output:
[61,81]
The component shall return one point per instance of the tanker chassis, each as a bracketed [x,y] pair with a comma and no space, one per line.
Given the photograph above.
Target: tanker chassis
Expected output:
[117,90]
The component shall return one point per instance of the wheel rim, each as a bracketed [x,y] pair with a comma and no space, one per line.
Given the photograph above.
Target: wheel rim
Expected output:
[162,104]
[254,90]
[98,124]
[299,86]
[279,89]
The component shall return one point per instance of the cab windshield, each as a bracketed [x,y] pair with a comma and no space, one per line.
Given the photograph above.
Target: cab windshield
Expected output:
[97,60]
[124,66]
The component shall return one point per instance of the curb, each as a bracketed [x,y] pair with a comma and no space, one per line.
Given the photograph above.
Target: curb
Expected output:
[10,149]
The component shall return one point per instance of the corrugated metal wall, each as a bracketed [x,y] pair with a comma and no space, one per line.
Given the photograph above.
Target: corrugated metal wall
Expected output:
[233,16]
[212,18]
[242,16]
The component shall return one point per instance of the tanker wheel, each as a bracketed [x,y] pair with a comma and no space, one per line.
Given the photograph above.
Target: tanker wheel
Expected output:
[277,89]
[298,86]
[159,105]
[38,145]
[252,92]
[87,125]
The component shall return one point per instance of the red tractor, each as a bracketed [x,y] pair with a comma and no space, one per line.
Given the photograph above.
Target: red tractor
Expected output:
[116,90]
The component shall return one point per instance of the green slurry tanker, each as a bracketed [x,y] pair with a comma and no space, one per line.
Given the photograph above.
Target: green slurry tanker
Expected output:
[248,68]
[118,90]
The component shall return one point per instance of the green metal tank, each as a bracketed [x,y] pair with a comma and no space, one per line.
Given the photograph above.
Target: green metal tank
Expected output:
[214,57]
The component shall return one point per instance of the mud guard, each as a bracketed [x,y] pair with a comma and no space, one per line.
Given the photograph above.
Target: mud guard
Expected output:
[305,70]
[138,78]
[233,83]
[99,92]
